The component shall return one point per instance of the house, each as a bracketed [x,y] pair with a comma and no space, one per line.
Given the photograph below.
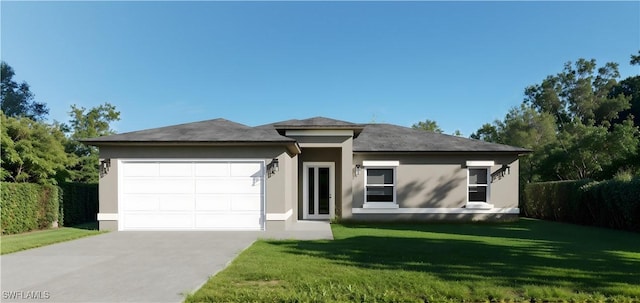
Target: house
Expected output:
[222,175]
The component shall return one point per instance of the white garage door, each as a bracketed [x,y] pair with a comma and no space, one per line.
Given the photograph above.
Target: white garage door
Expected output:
[191,195]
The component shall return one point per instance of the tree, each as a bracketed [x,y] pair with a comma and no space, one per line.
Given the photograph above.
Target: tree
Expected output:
[630,87]
[635,59]
[578,123]
[31,151]
[17,100]
[581,92]
[583,151]
[428,125]
[489,132]
[457,133]
[87,123]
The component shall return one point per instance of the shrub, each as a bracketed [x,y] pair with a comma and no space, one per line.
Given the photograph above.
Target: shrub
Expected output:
[79,203]
[613,203]
[25,206]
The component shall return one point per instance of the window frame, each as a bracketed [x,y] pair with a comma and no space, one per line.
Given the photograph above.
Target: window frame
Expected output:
[391,165]
[486,165]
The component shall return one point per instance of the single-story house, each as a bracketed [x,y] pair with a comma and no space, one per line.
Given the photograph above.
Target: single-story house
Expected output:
[222,175]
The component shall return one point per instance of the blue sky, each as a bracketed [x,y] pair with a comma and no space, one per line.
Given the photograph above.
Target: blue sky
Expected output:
[162,63]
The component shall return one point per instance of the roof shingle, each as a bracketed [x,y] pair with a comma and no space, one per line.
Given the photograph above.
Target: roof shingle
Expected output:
[216,130]
[394,138]
[368,137]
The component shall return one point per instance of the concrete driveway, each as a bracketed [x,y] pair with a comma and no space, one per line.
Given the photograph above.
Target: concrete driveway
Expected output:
[120,267]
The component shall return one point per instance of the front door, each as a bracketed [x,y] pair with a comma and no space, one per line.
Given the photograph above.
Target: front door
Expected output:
[318,193]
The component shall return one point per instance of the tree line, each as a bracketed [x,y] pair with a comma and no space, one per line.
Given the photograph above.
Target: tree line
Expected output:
[35,151]
[580,123]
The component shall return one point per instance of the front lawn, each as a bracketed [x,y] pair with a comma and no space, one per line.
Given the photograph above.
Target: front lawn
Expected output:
[13,243]
[519,261]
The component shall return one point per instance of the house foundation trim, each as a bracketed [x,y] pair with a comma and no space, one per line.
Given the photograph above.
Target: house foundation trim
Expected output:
[279,217]
[435,211]
[107,217]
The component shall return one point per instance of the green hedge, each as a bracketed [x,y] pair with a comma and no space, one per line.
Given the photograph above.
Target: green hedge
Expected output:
[79,203]
[612,203]
[25,206]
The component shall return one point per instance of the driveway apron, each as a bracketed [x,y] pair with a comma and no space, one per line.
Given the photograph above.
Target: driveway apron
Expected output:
[120,267]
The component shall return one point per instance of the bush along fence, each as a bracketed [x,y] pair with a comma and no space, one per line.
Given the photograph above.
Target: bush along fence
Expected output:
[25,206]
[611,203]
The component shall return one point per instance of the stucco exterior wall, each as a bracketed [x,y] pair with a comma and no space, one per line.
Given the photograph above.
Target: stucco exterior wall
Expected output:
[440,180]
[337,149]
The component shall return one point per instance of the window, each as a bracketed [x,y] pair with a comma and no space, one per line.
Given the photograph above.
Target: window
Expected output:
[479,184]
[380,185]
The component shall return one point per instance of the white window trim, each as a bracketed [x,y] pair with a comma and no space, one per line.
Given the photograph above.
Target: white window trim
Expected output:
[480,165]
[381,165]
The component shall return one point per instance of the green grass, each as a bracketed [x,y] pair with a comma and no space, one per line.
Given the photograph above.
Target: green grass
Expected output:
[509,262]
[18,242]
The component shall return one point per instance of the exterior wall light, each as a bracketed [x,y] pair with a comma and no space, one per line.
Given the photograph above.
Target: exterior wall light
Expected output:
[105,164]
[273,167]
[358,169]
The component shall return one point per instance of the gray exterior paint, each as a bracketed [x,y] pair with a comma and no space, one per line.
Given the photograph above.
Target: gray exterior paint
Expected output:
[431,176]
[440,180]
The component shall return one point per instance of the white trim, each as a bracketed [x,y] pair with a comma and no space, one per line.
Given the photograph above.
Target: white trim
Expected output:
[107,216]
[392,204]
[480,163]
[435,211]
[479,205]
[279,217]
[380,205]
[319,132]
[305,190]
[380,163]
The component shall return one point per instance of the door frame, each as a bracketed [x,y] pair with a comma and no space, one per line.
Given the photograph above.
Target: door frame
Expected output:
[305,189]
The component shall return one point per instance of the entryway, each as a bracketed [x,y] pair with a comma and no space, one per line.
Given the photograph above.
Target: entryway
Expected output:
[318,190]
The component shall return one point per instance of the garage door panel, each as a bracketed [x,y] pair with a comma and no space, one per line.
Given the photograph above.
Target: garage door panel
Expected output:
[176,170]
[224,186]
[246,202]
[166,221]
[141,203]
[213,202]
[224,221]
[141,169]
[246,170]
[176,203]
[213,169]
[158,186]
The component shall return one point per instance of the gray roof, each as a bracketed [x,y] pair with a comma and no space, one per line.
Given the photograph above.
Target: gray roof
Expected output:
[368,137]
[394,138]
[316,122]
[216,130]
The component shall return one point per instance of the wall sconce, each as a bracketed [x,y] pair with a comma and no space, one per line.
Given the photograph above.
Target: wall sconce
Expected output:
[105,164]
[500,173]
[273,167]
[358,169]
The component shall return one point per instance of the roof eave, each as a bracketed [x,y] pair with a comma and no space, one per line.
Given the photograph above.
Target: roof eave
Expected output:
[519,152]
